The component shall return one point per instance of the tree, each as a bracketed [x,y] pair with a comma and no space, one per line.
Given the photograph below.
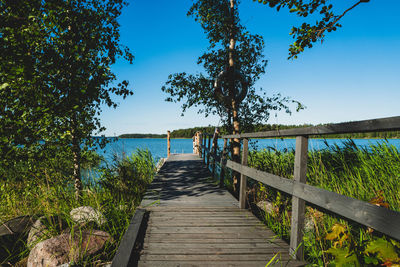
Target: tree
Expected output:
[62,75]
[307,34]
[234,57]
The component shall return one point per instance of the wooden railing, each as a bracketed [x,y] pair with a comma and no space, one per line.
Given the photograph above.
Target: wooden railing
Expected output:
[379,218]
[125,255]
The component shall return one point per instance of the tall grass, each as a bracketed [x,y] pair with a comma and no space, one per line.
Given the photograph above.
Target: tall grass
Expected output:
[366,173]
[117,189]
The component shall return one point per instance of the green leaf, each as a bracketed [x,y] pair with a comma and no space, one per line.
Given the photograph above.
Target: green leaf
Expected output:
[343,257]
[383,249]
[3,86]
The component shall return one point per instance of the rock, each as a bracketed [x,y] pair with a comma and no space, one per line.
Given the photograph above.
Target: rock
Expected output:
[309,225]
[65,248]
[87,214]
[37,232]
[266,206]
[17,225]
[13,235]
[22,263]
[40,229]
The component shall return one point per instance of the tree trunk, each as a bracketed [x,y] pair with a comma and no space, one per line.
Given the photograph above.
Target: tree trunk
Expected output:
[235,117]
[76,152]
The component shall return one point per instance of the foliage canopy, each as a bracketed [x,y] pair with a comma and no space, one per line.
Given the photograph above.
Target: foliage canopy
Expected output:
[308,34]
[55,58]
[222,26]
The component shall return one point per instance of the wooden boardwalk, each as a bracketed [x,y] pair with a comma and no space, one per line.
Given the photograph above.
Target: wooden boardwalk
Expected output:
[192,222]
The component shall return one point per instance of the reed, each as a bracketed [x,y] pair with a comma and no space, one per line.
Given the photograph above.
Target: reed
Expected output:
[366,173]
[56,198]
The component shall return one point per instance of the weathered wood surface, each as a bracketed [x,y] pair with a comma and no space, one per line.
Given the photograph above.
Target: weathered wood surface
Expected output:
[193,222]
[384,124]
[298,204]
[243,178]
[379,218]
[125,254]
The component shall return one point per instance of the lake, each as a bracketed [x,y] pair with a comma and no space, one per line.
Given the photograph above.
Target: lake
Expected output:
[158,146]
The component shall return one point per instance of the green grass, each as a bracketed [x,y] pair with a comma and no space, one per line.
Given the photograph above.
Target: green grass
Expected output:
[116,194]
[368,174]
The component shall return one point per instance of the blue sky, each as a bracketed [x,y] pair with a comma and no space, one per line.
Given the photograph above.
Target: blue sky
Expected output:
[353,75]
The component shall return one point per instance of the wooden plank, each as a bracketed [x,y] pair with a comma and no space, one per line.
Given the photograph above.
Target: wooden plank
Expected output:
[223,163]
[375,125]
[208,151]
[211,251]
[214,150]
[230,220]
[175,236]
[189,245]
[249,263]
[200,145]
[197,228]
[166,209]
[251,231]
[243,257]
[203,220]
[196,217]
[280,183]
[379,218]
[223,240]
[298,204]
[168,143]
[123,255]
[202,215]
[243,178]
[184,212]
[204,224]
[204,147]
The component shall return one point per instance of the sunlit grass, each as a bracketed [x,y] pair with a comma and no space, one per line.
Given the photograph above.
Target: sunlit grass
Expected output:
[364,173]
[56,198]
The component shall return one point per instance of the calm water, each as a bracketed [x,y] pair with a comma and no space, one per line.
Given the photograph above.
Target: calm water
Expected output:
[158,147]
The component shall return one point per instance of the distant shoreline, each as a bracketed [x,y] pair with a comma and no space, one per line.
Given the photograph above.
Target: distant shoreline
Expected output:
[151,137]
[344,138]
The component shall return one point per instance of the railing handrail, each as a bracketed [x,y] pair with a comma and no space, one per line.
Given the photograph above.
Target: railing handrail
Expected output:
[350,208]
[364,126]
[379,218]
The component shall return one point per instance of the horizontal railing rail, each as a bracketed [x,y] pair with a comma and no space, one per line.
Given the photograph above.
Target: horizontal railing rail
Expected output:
[125,255]
[378,218]
[381,219]
[376,125]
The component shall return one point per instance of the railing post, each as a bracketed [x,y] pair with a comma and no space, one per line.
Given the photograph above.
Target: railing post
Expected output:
[168,143]
[243,178]
[209,151]
[298,205]
[194,139]
[215,150]
[223,162]
[204,139]
[199,144]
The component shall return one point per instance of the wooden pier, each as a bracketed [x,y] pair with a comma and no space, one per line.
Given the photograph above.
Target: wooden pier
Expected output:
[190,221]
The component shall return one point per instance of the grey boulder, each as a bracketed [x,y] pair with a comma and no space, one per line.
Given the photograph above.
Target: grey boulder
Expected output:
[66,248]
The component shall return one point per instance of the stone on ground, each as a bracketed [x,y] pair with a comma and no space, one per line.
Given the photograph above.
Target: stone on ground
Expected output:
[65,248]
[87,214]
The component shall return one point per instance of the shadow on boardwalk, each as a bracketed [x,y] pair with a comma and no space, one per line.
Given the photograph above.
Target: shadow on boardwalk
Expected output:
[184,180]
[192,222]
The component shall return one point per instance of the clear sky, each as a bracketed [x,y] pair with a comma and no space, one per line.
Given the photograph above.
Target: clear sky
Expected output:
[353,75]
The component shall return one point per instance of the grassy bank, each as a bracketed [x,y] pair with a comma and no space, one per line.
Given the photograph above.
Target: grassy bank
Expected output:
[117,191]
[370,174]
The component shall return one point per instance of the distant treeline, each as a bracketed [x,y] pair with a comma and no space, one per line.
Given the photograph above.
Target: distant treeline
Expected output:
[190,132]
[136,135]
